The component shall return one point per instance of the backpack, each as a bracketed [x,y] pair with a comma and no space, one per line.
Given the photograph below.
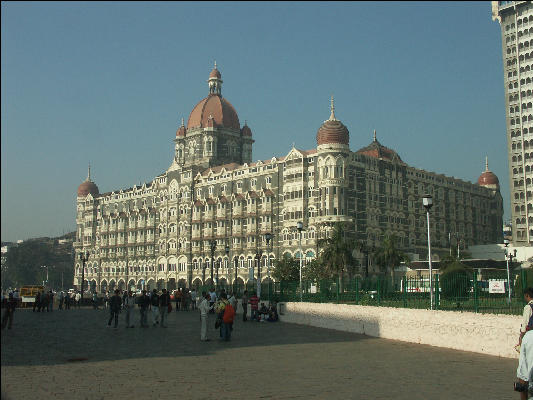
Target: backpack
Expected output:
[229,314]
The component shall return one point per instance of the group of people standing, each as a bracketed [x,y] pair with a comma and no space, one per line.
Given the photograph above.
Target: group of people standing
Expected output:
[45,300]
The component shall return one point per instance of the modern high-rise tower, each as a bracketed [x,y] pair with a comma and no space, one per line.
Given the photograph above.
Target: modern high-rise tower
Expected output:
[516,21]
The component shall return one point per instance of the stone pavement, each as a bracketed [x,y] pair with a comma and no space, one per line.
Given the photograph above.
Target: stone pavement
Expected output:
[263,361]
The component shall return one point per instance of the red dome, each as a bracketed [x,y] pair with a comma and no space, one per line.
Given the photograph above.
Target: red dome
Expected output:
[88,187]
[215,73]
[223,113]
[333,131]
[488,178]
[246,131]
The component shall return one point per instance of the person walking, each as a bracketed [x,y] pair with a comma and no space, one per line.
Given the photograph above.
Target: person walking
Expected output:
[129,303]
[37,302]
[225,313]
[61,299]
[68,300]
[154,302]
[50,301]
[179,297]
[212,300]
[254,307]
[114,306]
[164,302]
[78,299]
[244,302]
[8,313]
[193,299]
[144,303]
[106,300]
[44,302]
[204,310]
[95,301]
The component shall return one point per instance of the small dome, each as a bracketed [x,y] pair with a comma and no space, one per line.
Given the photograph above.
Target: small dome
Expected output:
[181,130]
[377,150]
[215,73]
[333,131]
[88,187]
[246,131]
[488,178]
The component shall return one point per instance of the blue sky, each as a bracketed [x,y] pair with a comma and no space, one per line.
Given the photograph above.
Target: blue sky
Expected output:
[108,83]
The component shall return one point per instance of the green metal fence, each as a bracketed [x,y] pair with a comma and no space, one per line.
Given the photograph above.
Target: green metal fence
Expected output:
[466,292]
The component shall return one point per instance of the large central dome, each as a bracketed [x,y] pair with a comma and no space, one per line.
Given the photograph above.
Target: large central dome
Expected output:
[214,110]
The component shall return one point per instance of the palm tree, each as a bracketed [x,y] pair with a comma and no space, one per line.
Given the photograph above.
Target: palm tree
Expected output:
[388,255]
[336,251]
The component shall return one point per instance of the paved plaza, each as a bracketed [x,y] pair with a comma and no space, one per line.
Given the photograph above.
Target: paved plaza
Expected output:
[263,361]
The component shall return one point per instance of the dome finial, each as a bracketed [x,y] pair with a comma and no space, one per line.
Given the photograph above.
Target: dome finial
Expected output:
[375,136]
[332,107]
[215,64]
[89,173]
[486,163]
[182,122]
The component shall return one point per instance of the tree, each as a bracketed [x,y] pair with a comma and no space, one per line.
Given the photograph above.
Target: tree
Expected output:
[455,281]
[314,271]
[336,251]
[388,255]
[286,269]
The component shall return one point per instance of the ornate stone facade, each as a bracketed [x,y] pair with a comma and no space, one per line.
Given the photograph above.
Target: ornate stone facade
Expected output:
[161,233]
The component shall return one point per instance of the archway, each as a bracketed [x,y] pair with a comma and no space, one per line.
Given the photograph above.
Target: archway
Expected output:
[121,285]
[131,285]
[93,286]
[150,285]
[197,283]
[209,282]
[238,287]
[182,283]
[160,284]
[103,286]
[140,284]
[223,284]
[112,285]
[171,284]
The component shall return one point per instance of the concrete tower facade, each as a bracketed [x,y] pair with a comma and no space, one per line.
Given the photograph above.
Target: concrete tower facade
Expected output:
[516,21]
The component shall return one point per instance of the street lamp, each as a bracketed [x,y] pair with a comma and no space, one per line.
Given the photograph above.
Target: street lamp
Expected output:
[258,257]
[226,250]
[427,201]
[83,258]
[509,259]
[268,238]
[300,227]
[213,244]
[45,266]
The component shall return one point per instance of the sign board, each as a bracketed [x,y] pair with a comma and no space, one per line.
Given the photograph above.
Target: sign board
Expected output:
[496,286]
[313,288]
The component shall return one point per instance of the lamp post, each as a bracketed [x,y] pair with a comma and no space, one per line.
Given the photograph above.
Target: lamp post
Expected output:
[427,201]
[506,243]
[258,257]
[268,238]
[226,250]
[300,227]
[213,244]
[45,266]
[83,258]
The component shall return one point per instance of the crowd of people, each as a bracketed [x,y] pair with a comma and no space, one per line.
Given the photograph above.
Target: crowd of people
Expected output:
[157,305]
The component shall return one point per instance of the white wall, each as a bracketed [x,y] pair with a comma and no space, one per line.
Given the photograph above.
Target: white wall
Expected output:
[481,333]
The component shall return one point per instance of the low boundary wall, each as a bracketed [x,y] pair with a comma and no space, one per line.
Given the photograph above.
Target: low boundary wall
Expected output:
[493,334]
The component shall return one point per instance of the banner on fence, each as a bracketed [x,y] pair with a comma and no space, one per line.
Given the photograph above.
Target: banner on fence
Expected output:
[496,286]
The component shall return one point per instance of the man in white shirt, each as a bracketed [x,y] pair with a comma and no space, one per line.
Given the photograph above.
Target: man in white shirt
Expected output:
[213,300]
[528,311]
[204,309]
[78,298]
[525,364]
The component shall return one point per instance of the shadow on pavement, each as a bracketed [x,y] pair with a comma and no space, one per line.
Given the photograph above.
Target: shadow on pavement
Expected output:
[81,336]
